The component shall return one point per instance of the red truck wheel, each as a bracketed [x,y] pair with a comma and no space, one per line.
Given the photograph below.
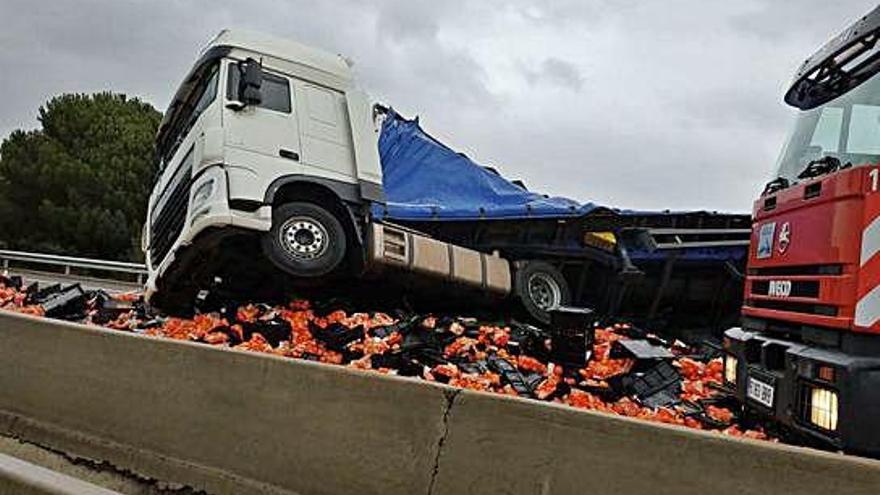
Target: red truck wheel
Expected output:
[305,240]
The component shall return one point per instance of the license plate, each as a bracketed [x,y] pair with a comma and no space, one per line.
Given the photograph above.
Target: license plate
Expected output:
[760,392]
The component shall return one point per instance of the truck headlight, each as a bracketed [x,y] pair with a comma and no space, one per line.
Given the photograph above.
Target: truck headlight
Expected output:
[202,194]
[823,408]
[730,363]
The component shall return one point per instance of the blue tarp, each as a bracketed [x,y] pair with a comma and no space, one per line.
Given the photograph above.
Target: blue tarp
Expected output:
[425,180]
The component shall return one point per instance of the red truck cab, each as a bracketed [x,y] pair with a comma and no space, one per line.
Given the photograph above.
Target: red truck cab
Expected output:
[807,353]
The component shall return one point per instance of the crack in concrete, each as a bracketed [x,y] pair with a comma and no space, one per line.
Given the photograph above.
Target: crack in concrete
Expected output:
[450,396]
[11,428]
[145,482]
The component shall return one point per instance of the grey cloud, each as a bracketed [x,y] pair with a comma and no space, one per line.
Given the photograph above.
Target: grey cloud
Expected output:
[682,110]
[725,109]
[410,58]
[776,20]
[555,72]
[415,19]
[578,12]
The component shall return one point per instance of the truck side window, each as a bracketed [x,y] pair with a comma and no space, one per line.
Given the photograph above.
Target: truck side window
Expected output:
[275,90]
[827,133]
[187,112]
[864,130]
[276,93]
[208,95]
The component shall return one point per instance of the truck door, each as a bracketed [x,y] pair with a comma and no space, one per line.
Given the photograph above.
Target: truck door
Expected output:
[325,132]
[258,137]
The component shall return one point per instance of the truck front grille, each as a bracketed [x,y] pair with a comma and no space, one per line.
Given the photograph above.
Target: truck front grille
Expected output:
[169,213]
[776,271]
[794,307]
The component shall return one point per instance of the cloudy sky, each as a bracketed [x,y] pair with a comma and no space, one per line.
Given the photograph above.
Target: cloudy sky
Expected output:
[644,104]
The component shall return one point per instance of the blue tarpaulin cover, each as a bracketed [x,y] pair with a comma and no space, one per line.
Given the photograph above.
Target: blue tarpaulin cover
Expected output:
[425,180]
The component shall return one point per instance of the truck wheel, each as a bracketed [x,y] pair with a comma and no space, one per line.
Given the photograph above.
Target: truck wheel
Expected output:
[540,287]
[305,240]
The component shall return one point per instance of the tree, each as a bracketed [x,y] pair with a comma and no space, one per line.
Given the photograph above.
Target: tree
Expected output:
[79,185]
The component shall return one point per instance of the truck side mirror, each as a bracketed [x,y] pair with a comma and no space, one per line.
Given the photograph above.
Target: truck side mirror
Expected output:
[251,72]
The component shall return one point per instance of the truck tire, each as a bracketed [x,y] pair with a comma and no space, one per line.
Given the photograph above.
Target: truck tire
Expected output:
[305,240]
[539,286]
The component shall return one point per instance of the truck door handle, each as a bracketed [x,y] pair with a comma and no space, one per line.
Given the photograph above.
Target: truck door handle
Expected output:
[293,155]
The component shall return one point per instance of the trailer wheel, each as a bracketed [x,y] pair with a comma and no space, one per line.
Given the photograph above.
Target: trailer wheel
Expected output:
[305,240]
[540,287]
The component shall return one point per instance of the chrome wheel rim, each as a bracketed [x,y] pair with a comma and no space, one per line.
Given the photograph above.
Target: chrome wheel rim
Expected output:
[544,291]
[303,238]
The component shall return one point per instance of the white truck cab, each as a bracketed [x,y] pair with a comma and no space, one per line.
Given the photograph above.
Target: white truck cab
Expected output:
[273,137]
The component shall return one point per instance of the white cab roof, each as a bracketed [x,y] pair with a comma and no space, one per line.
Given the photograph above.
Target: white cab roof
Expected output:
[283,49]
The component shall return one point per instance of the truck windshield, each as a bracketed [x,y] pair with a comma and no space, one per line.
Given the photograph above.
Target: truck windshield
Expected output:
[186,109]
[846,128]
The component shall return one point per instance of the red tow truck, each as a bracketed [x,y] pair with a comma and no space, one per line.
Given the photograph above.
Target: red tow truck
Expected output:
[807,354]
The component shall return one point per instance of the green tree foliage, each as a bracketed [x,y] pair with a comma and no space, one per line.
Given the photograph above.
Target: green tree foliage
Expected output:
[79,185]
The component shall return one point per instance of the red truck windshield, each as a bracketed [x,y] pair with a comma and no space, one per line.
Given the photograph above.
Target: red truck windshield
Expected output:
[846,128]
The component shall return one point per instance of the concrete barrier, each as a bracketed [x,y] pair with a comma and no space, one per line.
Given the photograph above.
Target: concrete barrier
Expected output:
[500,445]
[234,422]
[217,420]
[23,478]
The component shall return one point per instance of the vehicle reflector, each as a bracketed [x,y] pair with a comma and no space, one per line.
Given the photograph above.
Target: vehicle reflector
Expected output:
[825,373]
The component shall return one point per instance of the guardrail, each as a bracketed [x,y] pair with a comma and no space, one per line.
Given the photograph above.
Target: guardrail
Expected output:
[67,263]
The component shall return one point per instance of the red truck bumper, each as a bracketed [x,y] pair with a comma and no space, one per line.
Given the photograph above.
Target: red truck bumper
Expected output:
[828,395]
